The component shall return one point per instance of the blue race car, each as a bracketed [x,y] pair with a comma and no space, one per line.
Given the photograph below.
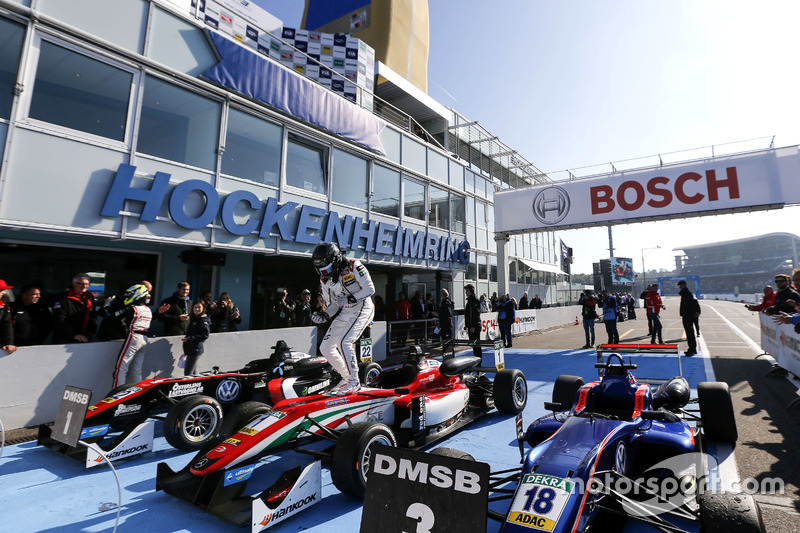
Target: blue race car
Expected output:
[621,454]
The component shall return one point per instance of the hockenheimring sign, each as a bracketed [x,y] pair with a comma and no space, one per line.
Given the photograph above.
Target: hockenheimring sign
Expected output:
[740,182]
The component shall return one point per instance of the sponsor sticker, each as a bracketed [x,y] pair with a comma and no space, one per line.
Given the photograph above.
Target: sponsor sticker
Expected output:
[334,403]
[123,409]
[238,475]
[121,394]
[233,442]
[248,431]
[94,431]
[539,501]
[185,389]
[228,390]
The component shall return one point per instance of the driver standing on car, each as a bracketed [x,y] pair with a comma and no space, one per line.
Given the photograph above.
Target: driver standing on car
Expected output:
[346,289]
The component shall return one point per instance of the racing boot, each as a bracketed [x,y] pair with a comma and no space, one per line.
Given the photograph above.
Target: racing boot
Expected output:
[347,386]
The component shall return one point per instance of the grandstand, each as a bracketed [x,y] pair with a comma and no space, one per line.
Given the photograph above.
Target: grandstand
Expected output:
[741,265]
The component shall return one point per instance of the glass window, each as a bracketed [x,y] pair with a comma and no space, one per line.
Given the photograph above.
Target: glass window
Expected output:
[10,48]
[414,155]
[439,216]
[472,270]
[481,241]
[252,149]
[457,213]
[512,270]
[178,124]
[469,179]
[391,143]
[75,91]
[483,272]
[456,175]
[470,210]
[490,217]
[306,164]
[413,199]
[480,214]
[179,44]
[492,268]
[125,27]
[386,191]
[350,185]
[437,166]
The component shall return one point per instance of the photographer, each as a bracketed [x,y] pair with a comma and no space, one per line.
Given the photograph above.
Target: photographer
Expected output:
[609,304]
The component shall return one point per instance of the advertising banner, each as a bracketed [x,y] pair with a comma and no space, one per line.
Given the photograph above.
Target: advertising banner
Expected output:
[525,322]
[733,183]
[781,342]
[621,270]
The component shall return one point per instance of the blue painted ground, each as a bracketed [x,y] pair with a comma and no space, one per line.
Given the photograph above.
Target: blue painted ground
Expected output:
[42,491]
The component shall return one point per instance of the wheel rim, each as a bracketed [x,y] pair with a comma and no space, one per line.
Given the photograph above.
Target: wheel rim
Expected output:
[366,456]
[199,422]
[371,376]
[520,391]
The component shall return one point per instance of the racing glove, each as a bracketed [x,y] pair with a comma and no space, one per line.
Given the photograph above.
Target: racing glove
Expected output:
[351,299]
[319,317]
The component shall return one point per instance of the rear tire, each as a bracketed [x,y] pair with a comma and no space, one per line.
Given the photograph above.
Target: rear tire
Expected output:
[452,452]
[352,457]
[240,415]
[192,422]
[369,372]
[716,412]
[510,391]
[726,513]
[565,389]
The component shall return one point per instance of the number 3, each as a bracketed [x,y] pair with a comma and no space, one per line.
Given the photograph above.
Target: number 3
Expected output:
[423,514]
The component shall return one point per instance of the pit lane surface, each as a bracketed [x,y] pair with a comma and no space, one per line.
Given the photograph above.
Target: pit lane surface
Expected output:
[43,491]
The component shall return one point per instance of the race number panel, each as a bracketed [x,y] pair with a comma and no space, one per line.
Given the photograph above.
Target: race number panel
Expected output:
[539,502]
[365,350]
[415,492]
[71,412]
[499,355]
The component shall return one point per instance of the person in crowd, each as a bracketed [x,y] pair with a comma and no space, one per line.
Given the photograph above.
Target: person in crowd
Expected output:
[136,316]
[523,302]
[631,301]
[643,297]
[380,309]
[283,310]
[319,307]
[32,320]
[484,304]
[302,310]
[472,319]
[654,306]
[174,311]
[796,279]
[347,289]
[589,313]
[767,302]
[536,303]
[494,303]
[6,323]
[74,314]
[402,311]
[419,313]
[689,310]
[198,330]
[609,303]
[111,325]
[513,301]
[226,316]
[446,307]
[785,292]
[211,309]
[506,316]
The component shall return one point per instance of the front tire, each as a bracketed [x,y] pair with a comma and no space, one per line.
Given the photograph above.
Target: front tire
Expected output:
[369,372]
[452,452]
[726,512]
[716,412]
[352,457]
[192,422]
[564,390]
[510,391]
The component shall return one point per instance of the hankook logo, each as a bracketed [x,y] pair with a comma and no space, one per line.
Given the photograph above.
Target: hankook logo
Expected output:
[551,205]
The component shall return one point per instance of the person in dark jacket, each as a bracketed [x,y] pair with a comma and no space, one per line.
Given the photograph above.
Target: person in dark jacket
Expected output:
[506,316]
[784,292]
[174,311]
[197,332]
[74,314]
[689,310]
[302,311]
[472,318]
[226,316]
[32,320]
[446,316]
[523,302]
[536,303]
[589,314]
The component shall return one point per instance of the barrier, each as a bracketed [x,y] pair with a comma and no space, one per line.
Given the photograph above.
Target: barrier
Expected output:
[781,342]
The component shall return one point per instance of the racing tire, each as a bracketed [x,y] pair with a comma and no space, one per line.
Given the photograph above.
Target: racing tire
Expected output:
[192,422]
[564,390]
[239,416]
[452,452]
[727,512]
[716,412]
[369,372]
[351,460]
[510,391]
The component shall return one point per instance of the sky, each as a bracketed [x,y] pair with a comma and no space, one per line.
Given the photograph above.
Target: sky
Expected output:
[582,83]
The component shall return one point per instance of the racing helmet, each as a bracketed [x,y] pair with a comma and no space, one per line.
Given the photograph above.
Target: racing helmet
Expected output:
[327,259]
[136,294]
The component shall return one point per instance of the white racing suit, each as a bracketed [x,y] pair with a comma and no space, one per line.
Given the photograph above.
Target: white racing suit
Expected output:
[338,344]
[131,357]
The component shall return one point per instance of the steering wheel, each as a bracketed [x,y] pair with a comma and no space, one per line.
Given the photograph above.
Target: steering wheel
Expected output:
[617,368]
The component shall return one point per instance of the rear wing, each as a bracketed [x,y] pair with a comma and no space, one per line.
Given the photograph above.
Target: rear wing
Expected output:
[626,350]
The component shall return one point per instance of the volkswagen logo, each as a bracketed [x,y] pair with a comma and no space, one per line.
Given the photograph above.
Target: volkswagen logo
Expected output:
[621,458]
[551,205]
[228,390]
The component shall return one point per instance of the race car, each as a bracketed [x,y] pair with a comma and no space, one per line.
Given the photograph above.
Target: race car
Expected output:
[192,407]
[410,405]
[619,452]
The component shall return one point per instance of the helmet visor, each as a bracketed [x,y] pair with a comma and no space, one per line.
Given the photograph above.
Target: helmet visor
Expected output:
[327,270]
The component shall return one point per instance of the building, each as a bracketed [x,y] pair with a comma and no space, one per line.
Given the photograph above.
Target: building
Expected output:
[740,266]
[170,140]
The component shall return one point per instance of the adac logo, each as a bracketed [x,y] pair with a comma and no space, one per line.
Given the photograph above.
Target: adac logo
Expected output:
[551,205]
[228,390]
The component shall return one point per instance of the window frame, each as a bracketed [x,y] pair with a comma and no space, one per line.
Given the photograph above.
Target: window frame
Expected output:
[293,136]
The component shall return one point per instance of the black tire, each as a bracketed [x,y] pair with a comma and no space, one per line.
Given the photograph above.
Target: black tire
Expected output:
[510,391]
[565,388]
[716,412]
[452,452]
[727,513]
[192,422]
[239,416]
[352,457]
[368,372]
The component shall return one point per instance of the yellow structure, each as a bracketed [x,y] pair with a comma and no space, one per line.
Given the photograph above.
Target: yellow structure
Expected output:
[398,30]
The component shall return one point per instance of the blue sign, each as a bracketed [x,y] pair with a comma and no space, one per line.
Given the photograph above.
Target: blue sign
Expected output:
[269,218]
